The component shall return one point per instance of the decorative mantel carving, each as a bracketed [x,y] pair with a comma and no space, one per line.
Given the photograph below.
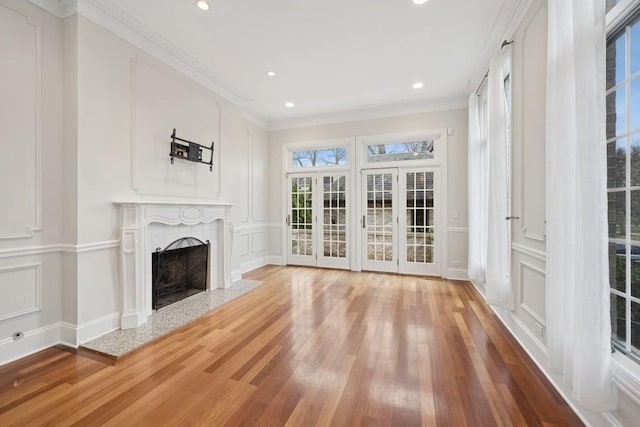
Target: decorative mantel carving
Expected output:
[135,271]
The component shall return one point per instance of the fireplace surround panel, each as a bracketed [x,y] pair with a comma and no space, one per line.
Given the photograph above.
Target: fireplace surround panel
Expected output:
[146,226]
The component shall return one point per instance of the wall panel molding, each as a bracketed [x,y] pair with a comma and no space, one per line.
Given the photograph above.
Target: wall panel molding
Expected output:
[533,253]
[34,224]
[22,285]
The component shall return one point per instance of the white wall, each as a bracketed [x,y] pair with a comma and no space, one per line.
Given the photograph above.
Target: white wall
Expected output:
[527,322]
[100,133]
[30,178]
[128,104]
[456,222]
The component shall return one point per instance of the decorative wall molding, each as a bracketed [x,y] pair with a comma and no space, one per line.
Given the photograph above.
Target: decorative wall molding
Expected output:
[30,250]
[31,229]
[370,113]
[255,227]
[534,253]
[457,230]
[37,303]
[59,8]
[522,266]
[90,247]
[141,185]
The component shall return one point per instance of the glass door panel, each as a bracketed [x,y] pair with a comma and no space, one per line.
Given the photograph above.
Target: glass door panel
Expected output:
[379,221]
[418,222]
[300,220]
[333,249]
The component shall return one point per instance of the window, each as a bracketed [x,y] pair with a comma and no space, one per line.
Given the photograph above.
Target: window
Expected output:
[623,182]
[325,157]
[412,150]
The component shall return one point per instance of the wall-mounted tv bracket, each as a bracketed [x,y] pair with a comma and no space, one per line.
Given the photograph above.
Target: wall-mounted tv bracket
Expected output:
[189,150]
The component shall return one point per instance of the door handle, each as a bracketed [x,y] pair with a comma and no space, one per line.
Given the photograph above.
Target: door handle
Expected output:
[288,220]
[364,221]
[509,218]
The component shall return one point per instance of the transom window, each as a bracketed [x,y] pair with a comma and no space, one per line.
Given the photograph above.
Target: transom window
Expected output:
[412,150]
[317,158]
[623,183]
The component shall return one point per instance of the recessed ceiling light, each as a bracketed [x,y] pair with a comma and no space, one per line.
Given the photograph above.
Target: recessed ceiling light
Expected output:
[418,85]
[202,4]
[290,105]
[270,73]
[419,2]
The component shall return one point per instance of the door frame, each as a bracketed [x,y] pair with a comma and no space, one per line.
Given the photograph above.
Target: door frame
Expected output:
[348,169]
[451,231]
[440,161]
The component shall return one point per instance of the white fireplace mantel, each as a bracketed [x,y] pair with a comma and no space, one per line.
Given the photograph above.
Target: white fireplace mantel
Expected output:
[135,251]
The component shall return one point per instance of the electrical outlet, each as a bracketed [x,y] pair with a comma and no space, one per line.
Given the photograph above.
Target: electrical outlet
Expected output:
[17,335]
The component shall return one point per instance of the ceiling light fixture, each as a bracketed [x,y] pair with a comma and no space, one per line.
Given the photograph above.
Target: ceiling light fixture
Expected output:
[418,85]
[290,105]
[271,73]
[419,2]
[203,5]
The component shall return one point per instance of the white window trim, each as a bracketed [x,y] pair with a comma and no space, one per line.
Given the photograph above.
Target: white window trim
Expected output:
[289,149]
[625,371]
[439,144]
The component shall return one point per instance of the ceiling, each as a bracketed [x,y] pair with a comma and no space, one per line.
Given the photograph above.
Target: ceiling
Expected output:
[329,56]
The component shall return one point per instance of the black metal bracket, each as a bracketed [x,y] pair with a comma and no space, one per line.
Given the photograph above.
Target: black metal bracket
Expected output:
[190,150]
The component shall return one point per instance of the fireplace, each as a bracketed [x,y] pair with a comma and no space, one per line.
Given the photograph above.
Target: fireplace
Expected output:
[147,225]
[179,271]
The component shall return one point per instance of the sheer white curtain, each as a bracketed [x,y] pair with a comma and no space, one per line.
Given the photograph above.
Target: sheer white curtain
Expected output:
[477,176]
[578,328]
[498,286]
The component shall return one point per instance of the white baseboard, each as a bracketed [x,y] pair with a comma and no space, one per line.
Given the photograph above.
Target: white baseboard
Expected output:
[456,274]
[69,334]
[96,328]
[253,264]
[32,342]
[275,260]
[538,353]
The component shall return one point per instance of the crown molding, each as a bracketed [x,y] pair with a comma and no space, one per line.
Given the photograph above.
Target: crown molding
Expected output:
[377,112]
[511,15]
[59,8]
[113,18]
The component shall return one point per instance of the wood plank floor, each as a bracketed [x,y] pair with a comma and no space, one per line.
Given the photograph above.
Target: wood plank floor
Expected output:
[309,347]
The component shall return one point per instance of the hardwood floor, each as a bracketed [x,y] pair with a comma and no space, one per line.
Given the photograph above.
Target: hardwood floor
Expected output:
[309,347]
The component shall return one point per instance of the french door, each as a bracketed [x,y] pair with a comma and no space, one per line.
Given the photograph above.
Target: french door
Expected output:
[318,219]
[400,220]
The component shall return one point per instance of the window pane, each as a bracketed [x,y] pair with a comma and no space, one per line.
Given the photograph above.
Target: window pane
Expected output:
[616,163]
[635,46]
[634,105]
[635,328]
[635,270]
[618,320]
[616,113]
[635,159]
[414,150]
[635,215]
[617,212]
[617,266]
[615,60]
[319,158]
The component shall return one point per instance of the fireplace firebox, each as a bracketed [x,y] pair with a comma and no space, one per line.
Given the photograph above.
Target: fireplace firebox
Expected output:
[179,271]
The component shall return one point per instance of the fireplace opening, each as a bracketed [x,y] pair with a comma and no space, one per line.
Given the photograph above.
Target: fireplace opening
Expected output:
[179,271]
